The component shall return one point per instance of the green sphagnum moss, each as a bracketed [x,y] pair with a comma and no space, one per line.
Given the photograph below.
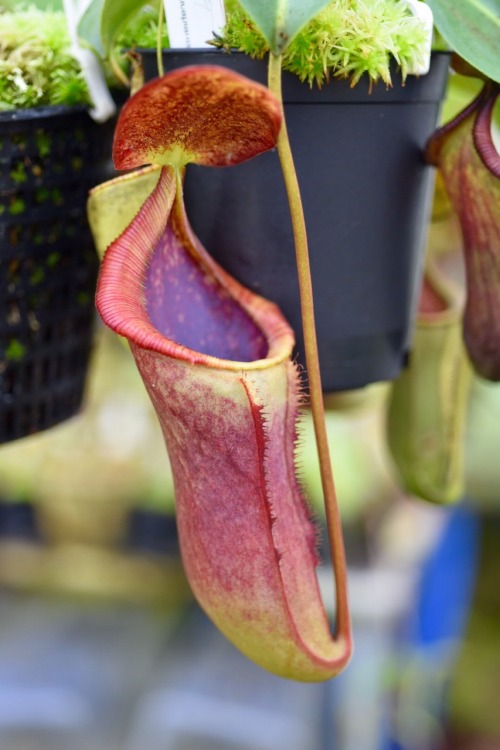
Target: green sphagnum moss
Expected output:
[36,67]
[348,39]
[142,31]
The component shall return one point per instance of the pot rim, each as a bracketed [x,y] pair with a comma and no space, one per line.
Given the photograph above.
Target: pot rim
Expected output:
[416,89]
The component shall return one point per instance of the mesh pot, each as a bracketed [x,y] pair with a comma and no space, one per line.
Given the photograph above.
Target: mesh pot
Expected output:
[366,192]
[49,158]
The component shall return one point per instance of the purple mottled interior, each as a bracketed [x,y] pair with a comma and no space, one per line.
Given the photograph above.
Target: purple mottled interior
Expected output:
[187,305]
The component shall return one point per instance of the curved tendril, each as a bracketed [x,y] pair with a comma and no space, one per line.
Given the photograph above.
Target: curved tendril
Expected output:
[159,34]
[343,624]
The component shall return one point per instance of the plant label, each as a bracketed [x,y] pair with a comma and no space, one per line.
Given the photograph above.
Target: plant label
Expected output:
[191,23]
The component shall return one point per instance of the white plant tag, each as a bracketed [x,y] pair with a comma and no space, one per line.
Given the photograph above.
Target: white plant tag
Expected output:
[423,12]
[192,22]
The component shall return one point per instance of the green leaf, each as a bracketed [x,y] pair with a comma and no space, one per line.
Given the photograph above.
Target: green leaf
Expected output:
[280,20]
[89,26]
[103,20]
[472,30]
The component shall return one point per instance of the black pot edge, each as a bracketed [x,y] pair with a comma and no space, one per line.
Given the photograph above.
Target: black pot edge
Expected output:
[428,87]
[57,110]
[35,113]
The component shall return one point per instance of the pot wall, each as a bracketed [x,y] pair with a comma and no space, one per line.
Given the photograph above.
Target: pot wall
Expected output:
[366,194]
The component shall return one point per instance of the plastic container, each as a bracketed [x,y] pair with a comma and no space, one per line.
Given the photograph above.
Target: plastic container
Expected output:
[49,158]
[366,192]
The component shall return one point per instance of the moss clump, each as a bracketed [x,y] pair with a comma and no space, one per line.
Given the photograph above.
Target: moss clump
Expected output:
[348,39]
[36,67]
[142,31]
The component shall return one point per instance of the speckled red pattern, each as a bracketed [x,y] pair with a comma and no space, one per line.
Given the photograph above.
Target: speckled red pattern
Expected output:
[247,542]
[203,114]
[470,164]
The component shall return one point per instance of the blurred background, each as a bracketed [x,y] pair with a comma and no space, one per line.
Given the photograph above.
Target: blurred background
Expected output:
[103,648]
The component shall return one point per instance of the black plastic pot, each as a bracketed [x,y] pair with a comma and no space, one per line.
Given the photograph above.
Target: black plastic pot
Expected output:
[366,194]
[49,158]
[18,520]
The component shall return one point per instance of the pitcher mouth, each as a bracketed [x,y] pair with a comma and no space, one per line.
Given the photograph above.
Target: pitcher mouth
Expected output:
[205,318]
